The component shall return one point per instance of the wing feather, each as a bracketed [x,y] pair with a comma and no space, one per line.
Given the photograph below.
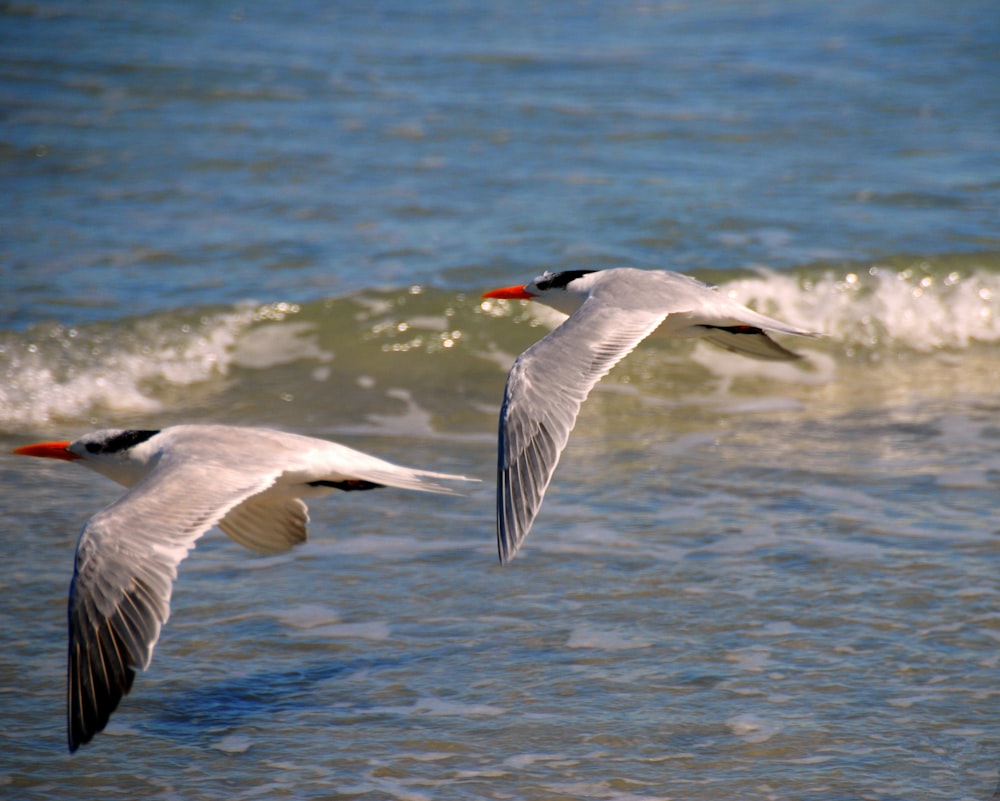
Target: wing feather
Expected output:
[267,523]
[123,578]
[545,389]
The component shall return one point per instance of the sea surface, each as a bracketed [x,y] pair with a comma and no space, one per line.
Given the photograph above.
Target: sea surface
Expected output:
[748,580]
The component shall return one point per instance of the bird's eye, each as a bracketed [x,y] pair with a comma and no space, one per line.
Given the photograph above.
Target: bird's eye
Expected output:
[93,447]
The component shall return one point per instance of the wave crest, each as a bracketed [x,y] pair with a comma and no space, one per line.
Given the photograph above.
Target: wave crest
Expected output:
[916,308]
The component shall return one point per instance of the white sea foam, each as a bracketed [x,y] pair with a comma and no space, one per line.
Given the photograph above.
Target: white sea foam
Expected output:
[882,306]
[779,628]
[604,790]
[752,660]
[322,621]
[817,370]
[913,308]
[603,639]
[308,616]
[233,744]
[373,630]
[390,788]
[431,705]
[753,728]
[65,373]
[438,707]
[269,346]
[136,367]
[105,372]
[522,761]
[413,421]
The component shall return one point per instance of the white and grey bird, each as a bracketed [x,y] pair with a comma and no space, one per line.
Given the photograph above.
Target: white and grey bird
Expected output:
[181,481]
[610,313]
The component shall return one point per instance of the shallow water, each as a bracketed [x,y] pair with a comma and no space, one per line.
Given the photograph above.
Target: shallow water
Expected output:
[748,580]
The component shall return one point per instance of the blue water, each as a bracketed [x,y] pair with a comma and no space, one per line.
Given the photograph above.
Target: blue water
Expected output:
[169,154]
[748,581]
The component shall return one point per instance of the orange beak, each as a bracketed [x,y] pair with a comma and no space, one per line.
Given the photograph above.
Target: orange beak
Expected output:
[48,450]
[509,293]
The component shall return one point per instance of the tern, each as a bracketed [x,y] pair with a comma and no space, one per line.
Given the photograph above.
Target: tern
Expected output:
[610,313]
[181,481]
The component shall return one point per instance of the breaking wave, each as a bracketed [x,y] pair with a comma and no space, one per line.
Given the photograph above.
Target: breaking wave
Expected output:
[382,340]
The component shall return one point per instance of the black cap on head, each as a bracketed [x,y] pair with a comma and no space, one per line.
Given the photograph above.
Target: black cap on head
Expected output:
[561,279]
[121,440]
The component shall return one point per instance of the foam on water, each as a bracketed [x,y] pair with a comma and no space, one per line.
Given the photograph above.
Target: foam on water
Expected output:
[916,307]
[413,421]
[233,744]
[604,640]
[753,728]
[373,630]
[322,621]
[272,345]
[377,343]
[921,307]
[438,707]
[56,372]
[64,373]
[146,366]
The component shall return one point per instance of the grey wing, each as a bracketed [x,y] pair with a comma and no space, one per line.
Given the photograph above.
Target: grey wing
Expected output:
[545,389]
[126,563]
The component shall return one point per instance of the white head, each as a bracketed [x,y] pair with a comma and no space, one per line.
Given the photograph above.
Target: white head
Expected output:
[564,291]
[120,454]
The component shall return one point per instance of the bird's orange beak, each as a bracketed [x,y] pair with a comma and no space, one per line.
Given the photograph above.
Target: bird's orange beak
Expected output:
[509,293]
[48,450]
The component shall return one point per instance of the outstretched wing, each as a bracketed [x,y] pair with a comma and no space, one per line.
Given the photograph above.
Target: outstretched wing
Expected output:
[545,389]
[126,563]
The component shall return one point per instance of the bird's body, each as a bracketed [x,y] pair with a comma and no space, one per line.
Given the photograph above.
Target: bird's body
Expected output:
[610,313]
[181,481]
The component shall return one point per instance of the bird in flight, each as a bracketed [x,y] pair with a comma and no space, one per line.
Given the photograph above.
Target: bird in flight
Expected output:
[610,313]
[181,481]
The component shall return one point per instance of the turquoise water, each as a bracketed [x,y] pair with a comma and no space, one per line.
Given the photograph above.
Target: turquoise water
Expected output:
[748,581]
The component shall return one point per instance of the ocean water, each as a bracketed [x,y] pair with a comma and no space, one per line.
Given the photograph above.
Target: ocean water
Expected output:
[748,580]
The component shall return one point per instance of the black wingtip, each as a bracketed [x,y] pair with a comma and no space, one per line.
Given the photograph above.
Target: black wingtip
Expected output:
[505,550]
[102,662]
[91,708]
[501,551]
